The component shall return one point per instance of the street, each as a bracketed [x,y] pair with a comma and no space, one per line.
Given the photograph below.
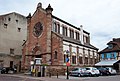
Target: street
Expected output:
[102,78]
[14,77]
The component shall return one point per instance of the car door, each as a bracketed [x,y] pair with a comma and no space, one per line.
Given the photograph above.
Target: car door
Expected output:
[74,71]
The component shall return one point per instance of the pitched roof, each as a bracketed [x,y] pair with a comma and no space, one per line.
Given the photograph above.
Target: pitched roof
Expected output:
[115,48]
[1,16]
[69,24]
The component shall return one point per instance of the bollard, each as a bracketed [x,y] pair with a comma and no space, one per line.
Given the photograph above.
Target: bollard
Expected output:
[57,74]
[49,74]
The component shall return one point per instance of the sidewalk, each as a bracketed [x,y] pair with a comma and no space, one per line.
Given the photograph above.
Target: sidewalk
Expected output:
[52,78]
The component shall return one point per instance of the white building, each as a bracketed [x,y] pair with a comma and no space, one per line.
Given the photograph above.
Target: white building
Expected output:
[13,33]
[76,41]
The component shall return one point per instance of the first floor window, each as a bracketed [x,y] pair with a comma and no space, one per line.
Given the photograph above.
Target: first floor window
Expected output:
[112,56]
[105,56]
[11,51]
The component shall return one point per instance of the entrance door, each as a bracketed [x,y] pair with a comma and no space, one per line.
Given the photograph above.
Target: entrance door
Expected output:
[11,64]
[38,56]
[43,71]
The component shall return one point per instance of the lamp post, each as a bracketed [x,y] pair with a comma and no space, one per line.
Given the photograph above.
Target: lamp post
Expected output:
[67,63]
[32,64]
[32,67]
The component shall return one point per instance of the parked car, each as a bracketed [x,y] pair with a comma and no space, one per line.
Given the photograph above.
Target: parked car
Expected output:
[79,72]
[5,70]
[103,71]
[93,71]
[111,71]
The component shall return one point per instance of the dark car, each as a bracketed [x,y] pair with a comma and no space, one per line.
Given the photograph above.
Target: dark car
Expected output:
[79,72]
[103,71]
[5,70]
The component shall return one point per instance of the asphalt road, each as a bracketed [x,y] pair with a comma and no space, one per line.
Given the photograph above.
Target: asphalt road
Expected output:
[100,78]
[14,77]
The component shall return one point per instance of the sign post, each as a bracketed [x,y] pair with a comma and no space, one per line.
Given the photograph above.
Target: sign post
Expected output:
[67,64]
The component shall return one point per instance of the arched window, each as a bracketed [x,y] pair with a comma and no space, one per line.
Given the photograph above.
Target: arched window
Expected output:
[55,26]
[55,56]
[58,28]
[73,59]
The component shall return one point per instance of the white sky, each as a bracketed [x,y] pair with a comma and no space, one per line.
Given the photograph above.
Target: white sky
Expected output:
[101,18]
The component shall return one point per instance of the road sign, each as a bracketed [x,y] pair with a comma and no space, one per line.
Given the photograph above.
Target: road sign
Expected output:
[67,64]
[67,59]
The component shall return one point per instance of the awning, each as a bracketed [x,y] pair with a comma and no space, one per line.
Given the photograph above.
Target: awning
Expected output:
[106,62]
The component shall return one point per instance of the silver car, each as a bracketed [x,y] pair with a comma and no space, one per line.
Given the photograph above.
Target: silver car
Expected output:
[79,72]
[111,71]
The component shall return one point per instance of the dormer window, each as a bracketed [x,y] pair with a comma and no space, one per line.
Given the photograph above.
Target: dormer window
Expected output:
[110,46]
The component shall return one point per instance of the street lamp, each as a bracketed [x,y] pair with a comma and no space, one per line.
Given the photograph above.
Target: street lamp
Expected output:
[67,63]
[32,66]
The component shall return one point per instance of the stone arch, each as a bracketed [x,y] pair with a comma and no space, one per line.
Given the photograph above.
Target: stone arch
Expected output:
[36,50]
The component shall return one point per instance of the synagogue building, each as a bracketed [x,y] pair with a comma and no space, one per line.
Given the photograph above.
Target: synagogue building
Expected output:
[52,39]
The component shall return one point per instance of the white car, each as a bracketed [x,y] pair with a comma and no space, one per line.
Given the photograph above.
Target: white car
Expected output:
[111,70]
[79,72]
[93,71]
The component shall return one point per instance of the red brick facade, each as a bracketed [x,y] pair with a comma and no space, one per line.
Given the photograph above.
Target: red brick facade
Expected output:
[45,45]
[57,46]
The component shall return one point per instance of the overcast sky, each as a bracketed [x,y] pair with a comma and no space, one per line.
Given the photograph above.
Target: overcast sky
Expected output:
[101,18]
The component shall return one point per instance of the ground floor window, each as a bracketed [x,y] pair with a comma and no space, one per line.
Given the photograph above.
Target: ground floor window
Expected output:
[91,61]
[86,60]
[80,60]
[95,60]
[73,59]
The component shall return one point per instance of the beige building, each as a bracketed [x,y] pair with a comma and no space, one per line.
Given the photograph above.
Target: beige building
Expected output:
[13,32]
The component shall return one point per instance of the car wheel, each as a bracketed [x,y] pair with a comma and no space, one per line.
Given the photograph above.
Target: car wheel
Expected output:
[90,74]
[79,75]
[107,73]
[101,74]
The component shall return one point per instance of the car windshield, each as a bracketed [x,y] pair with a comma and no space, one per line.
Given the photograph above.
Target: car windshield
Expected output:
[87,68]
[75,69]
[94,69]
[83,69]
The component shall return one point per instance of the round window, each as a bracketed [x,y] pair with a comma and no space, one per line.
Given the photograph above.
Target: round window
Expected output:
[38,28]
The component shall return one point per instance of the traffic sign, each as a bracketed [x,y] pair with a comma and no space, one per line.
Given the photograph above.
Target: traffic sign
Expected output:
[67,64]
[67,59]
